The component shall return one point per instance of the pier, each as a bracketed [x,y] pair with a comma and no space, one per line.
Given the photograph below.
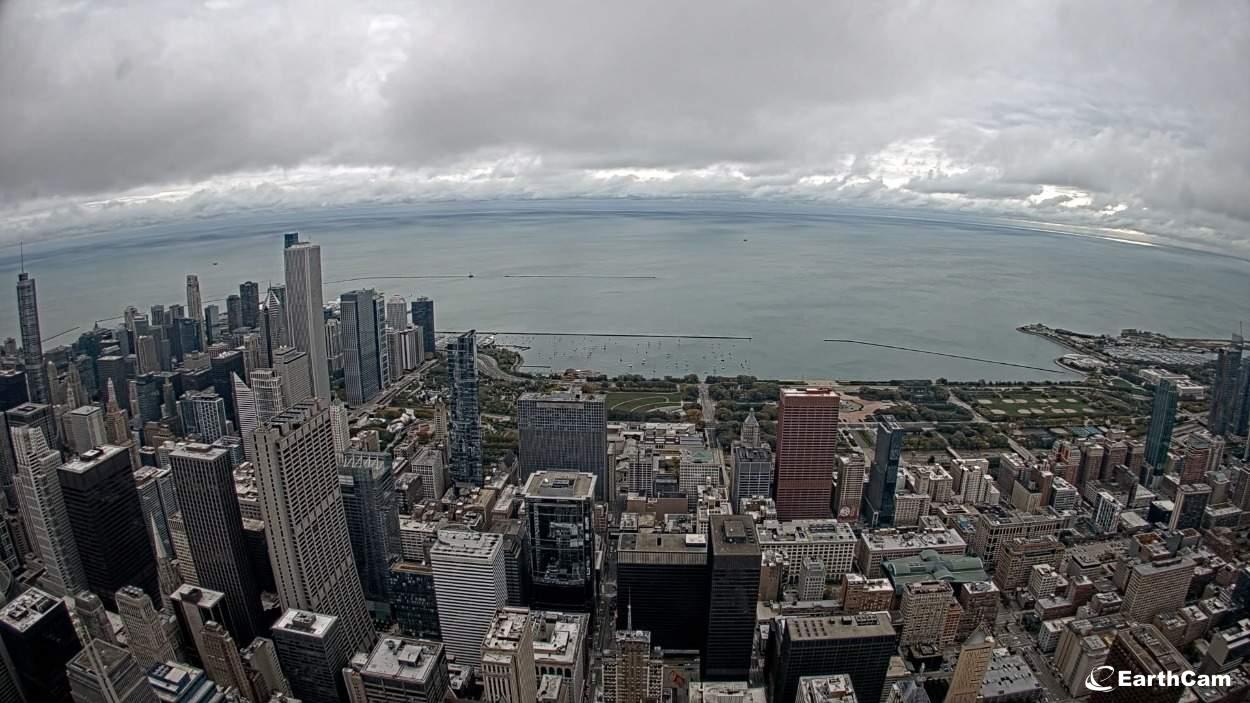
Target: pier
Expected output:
[951,356]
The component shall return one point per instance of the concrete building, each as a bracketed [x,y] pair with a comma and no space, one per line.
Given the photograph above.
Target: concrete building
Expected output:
[848,491]
[1021,554]
[632,670]
[807,438]
[294,368]
[829,541]
[835,688]
[508,673]
[564,431]
[399,670]
[924,606]
[865,595]
[1140,650]
[182,683]
[561,643]
[150,633]
[877,546]
[974,661]
[43,507]
[997,526]
[558,511]
[1157,587]
[102,671]
[313,652]
[85,428]
[470,585]
[305,522]
[221,659]
[304,307]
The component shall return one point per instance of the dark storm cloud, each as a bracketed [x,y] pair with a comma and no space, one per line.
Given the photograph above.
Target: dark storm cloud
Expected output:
[1116,114]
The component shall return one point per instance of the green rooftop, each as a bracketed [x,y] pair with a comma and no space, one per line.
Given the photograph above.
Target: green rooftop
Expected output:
[931,566]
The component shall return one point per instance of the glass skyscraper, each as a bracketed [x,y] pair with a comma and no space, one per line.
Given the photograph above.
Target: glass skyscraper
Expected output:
[465,431]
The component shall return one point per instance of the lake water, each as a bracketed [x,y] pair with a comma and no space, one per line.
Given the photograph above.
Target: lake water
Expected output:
[785,275]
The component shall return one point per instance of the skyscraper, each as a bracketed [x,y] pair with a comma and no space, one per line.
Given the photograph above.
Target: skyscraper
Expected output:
[370,504]
[396,312]
[292,365]
[266,386]
[465,440]
[150,634]
[32,340]
[559,507]
[565,431]
[878,507]
[366,366]
[752,472]
[272,321]
[39,491]
[1162,420]
[970,668]
[195,305]
[103,506]
[182,683]
[508,673]
[857,645]
[733,586]
[469,584]
[85,428]
[313,650]
[221,660]
[203,414]
[210,513]
[249,303]
[40,640]
[807,437]
[1224,391]
[399,670]
[662,587]
[246,415]
[102,671]
[309,542]
[423,317]
[305,316]
[1141,650]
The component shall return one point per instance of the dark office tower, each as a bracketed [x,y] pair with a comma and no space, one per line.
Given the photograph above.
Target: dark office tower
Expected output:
[224,364]
[733,587]
[194,607]
[302,505]
[203,414]
[104,511]
[883,480]
[40,639]
[465,431]
[38,416]
[105,673]
[366,366]
[1220,418]
[210,512]
[234,312]
[306,312]
[312,650]
[113,368]
[559,506]
[32,341]
[371,506]
[149,392]
[1142,650]
[249,301]
[661,583]
[13,391]
[563,432]
[290,239]
[857,645]
[1162,420]
[414,605]
[184,337]
[1240,420]
[423,317]
[807,437]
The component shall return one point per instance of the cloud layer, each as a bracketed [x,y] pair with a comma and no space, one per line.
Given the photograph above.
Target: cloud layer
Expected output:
[1121,115]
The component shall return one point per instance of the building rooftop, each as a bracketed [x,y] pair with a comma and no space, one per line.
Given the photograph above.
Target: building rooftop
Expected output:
[402,658]
[30,607]
[560,484]
[305,622]
[463,543]
[633,544]
[565,396]
[773,532]
[891,540]
[558,637]
[174,679]
[201,597]
[91,458]
[817,689]
[507,630]
[733,534]
[1008,676]
[726,692]
[839,626]
[199,452]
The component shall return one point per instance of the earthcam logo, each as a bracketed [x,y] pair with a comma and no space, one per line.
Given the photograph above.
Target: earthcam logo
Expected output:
[1106,678]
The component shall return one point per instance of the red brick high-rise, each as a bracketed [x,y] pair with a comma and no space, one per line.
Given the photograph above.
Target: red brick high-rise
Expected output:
[807,436]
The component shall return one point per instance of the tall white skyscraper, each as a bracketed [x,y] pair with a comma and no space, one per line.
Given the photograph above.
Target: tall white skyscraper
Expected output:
[470,584]
[245,413]
[309,544]
[340,428]
[396,312]
[267,389]
[195,304]
[305,311]
[292,365]
[39,491]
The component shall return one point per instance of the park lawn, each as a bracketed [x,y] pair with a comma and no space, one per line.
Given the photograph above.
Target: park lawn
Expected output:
[643,401]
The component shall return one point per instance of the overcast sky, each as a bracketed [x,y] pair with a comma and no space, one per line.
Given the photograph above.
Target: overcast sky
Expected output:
[1127,115]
